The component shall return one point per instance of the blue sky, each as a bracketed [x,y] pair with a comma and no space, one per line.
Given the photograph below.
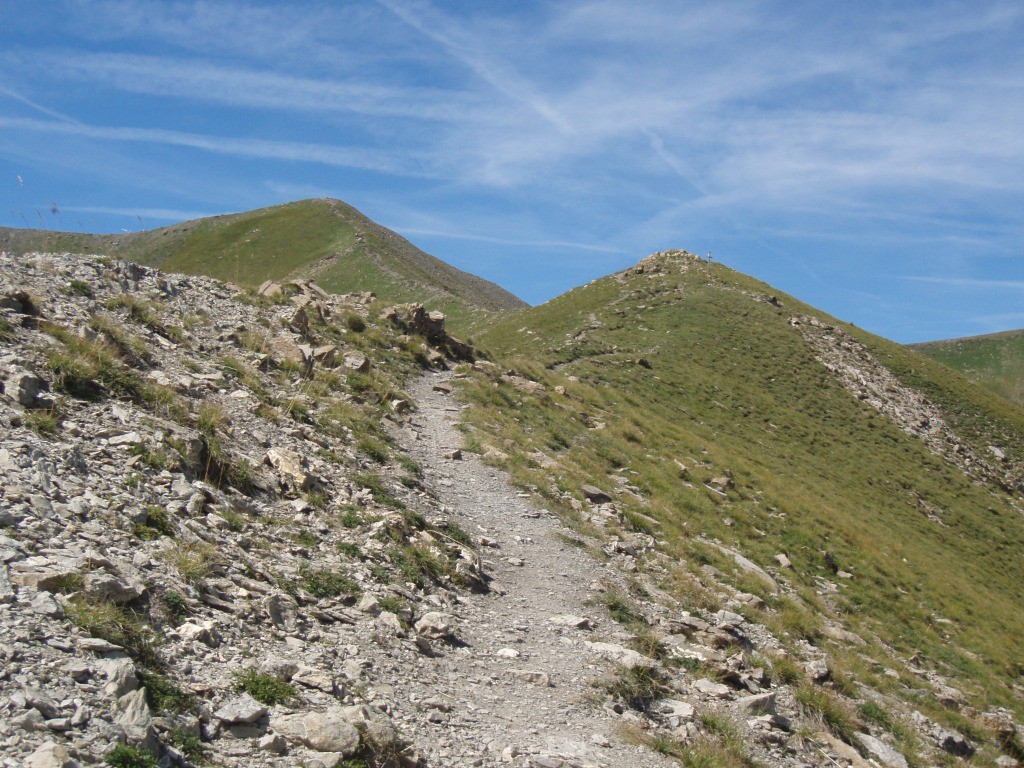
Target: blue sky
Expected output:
[866,157]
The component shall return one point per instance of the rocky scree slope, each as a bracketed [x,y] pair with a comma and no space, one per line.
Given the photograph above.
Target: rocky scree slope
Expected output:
[209,540]
[868,497]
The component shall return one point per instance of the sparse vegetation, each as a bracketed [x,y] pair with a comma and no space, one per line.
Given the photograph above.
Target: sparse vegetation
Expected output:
[266,689]
[637,687]
[328,583]
[126,756]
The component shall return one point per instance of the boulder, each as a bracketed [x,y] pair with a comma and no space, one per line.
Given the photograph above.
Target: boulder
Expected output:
[327,731]
[114,589]
[283,610]
[595,495]
[289,468]
[51,755]
[23,387]
[955,744]
[880,751]
[435,626]
[242,709]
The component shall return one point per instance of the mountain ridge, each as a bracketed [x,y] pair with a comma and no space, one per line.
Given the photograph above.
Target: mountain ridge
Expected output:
[783,535]
[993,360]
[323,239]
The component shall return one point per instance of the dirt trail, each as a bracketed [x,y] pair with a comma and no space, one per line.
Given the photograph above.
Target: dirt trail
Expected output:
[497,709]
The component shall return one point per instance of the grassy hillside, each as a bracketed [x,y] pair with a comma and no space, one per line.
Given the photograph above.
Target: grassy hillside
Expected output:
[995,361]
[324,239]
[686,392]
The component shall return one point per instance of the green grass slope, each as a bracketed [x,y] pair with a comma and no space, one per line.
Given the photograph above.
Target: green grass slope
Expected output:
[995,361]
[656,383]
[323,239]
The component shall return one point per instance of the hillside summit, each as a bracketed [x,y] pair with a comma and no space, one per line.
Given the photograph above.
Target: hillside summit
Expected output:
[282,526]
[995,360]
[322,239]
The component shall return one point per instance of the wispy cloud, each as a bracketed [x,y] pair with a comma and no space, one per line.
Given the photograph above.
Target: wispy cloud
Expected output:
[37,106]
[200,80]
[467,48]
[345,157]
[158,214]
[557,244]
[969,282]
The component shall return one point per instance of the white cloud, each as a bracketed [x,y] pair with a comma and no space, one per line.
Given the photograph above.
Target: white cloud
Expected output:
[362,158]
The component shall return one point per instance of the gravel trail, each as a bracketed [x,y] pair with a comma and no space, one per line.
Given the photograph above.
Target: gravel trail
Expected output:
[495,682]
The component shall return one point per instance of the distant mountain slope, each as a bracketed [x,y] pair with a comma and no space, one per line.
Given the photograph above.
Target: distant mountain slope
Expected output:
[324,239]
[995,361]
[881,490]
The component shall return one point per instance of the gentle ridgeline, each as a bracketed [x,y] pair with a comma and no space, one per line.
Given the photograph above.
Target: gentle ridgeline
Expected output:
[670,518]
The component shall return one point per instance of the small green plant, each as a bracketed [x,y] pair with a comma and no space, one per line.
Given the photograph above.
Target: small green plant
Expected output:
[817,701]
[305,538]
[349,549]
[354,322]
[393,603]
[637,687]
[175,604]
[158,523]
[349,518]
[649,642]
[266,689]
[786,671]
[162,694]
[620,610]
[190,745]
[126,756]
[194,561]
[374,449]
[80,288]
[380,492]
[43,422]
[115,625]
[328,583]
[7,332]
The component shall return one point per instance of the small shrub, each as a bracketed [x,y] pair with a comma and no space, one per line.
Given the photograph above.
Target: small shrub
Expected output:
[162,694]
[393,603]
[454,532]
[194,561]
[305,538]
[637,687]
[355,322]
[349,549]
[816,701]
[380,492]
[649,643]
[158,523]
[619,609]
[211,418]
[175,604]
[80,288]
[785,671]
[43,422]
[190,745]
[125,756]
[266,689]
[7,332]
[327,583]
[115,625]
[374,449]
[349,518]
